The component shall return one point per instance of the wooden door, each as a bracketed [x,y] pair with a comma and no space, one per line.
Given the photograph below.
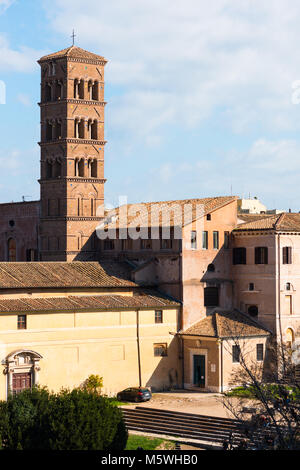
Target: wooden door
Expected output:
[199,371]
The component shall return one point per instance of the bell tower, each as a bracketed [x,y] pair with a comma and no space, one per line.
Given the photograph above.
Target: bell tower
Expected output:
[72,154]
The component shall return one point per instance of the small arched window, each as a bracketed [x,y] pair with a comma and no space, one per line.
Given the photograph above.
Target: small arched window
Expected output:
[253,310]
[290,337]
[211,268]
[12,250]
[288,286]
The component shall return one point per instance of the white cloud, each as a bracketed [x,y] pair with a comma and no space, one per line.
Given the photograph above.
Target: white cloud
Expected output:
[24,99]
[196,56]
[22,60]
[5,4]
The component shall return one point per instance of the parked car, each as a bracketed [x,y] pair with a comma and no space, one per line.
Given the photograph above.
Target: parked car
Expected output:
[135,394]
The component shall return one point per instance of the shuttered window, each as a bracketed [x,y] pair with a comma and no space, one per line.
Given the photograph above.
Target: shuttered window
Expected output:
[204,240]
[259,352]
[287,255]
[211,297]
[236,353]
[194,240]
[216,240]
[261,255]
[239,256]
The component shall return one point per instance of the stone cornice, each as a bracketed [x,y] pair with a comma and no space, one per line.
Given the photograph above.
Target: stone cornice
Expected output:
[73,101]
[73,141]
[81,60]
[71,218]
[67,179]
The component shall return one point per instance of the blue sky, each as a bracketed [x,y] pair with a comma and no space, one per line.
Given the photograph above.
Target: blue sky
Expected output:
[200,97]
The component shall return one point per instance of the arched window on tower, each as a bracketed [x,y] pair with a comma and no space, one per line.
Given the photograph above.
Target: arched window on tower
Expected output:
[58,90]
[12,250]
[95,91]
[48,130]
[76,89]
[90,90]
[58,129]
[81,168]
[81,89]
[48,169]
[57,169]
[81,129]
[94,169]
[48,92]
[94,130]
[76,167]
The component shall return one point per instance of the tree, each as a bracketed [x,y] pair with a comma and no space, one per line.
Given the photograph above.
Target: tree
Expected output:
[68,420]
[273,420]
[93,383]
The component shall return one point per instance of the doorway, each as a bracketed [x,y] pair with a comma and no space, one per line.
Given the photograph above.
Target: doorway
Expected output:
[199,370]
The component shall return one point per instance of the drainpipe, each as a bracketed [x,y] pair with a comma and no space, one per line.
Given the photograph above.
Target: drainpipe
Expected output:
[138,345]
[222,372]
[279,298]
[182,360]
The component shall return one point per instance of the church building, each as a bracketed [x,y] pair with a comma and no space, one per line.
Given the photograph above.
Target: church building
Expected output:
[150,310]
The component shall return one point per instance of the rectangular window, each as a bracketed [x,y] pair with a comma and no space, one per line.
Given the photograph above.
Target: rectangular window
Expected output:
[226,240]
[109,245]
[158,316]
[236,351]
[160,350]
[194,240]
[239,256]
[127,244]
[259,352]
[211,297]
[204,240]
[146,244]
[216,240]
[261,255]
[166,244]
[287,255]
[166,241]
[288,305]
[22,323]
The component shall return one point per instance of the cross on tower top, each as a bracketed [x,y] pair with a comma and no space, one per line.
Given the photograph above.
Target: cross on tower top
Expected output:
[73,37]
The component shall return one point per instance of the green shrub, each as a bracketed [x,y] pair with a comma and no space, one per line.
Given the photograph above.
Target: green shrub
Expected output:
[69,420]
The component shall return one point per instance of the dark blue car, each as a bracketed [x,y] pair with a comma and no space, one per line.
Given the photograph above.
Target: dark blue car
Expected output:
[135,394]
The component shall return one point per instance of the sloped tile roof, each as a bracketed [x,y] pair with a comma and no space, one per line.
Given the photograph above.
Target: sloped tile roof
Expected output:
[286,222]
[95,302]
[75,52]
[226,324]
[62,274]
[137,217]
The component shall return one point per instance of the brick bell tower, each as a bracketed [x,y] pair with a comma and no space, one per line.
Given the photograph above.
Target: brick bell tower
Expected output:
[72,154]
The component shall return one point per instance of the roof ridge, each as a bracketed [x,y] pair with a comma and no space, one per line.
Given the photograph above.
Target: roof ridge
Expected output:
[279,220]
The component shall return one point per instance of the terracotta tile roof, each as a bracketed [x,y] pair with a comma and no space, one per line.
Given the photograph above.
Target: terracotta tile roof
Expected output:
[226,324]
[74,52]
[97,302]
[63,274]
[143,219]
[286,222]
